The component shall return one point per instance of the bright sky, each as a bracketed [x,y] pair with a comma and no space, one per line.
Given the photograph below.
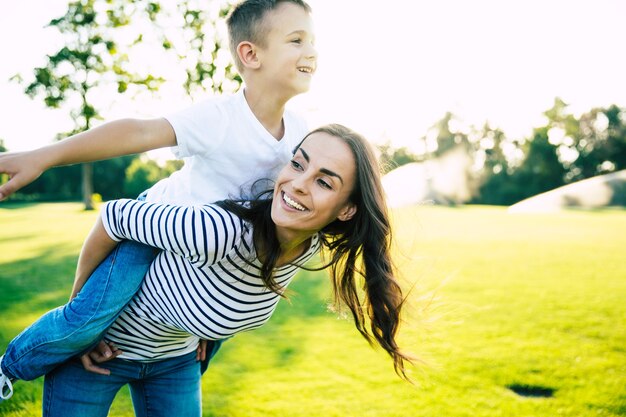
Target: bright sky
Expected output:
[391,69]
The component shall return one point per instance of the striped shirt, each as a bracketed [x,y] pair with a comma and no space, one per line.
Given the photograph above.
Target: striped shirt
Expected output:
[204,284]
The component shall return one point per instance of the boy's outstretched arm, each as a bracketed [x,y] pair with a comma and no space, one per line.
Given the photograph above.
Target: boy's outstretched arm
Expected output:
[121,137]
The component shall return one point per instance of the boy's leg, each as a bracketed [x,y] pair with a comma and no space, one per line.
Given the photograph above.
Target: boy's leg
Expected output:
[71,391]
[75,327]
[170,387]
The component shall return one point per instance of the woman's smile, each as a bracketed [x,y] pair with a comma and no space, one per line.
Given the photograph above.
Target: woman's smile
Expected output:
[292,203]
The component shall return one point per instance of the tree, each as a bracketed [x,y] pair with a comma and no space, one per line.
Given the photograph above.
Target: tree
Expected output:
[111,177]
[143,173]
[600,142]
[541,169]
[591,145]
[498,155]
[56,184]
[391,157]
[207,62]
[90,59]
[449,136]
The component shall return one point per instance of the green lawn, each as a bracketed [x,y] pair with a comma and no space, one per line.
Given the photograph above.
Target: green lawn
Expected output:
[498,301]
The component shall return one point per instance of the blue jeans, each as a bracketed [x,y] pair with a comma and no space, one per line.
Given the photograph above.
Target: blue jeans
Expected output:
[76,327]
[170,387]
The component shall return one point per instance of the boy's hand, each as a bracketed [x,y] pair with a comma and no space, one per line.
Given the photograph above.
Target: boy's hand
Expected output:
[101,353]
[22,169]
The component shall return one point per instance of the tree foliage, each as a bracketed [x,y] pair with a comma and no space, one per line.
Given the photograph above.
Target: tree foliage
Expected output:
[600,142]
[565,149]
[208,66]
[143,173]
[391,157]
[89,60]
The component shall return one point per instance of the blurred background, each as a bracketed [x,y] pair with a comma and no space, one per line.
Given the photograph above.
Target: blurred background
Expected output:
[486,102]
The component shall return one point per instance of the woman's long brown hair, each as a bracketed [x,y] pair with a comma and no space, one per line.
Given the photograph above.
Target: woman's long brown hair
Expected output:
[357,248]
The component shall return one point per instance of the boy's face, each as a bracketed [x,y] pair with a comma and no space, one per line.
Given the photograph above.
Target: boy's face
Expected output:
[289,59]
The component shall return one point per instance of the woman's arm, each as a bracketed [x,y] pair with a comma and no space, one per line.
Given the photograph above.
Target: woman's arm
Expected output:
[202,234]
[95,249]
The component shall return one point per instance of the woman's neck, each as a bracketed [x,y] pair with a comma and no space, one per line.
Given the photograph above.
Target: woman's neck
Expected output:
[291,248]
[292,252]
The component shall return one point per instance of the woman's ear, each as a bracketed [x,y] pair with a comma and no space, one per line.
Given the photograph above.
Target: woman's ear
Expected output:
[347,212]
[246,51]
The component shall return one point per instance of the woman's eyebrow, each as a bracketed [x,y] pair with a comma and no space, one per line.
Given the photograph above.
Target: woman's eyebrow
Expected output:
[306,155]
[323,170]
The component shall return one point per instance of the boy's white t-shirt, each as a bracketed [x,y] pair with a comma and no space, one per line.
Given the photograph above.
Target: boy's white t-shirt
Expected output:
[225,149]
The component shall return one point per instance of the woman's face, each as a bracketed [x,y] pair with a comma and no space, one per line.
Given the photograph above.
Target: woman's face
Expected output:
[313,190]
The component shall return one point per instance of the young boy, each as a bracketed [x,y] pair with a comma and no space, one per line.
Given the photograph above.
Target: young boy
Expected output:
[227,143]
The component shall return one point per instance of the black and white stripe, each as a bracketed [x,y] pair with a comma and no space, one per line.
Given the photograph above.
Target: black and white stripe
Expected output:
[205,284]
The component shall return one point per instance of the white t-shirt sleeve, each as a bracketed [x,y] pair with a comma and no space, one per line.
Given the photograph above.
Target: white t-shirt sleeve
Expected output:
[200,129]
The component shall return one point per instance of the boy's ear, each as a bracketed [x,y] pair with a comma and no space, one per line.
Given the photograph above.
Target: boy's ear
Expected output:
[347,212]
[247,53]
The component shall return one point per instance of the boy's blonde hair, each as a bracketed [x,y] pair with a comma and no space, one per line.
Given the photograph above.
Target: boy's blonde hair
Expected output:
[246,22]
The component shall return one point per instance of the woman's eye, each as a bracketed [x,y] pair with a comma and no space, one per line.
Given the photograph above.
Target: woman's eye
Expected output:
[297,40]
[324,184]
[295,164]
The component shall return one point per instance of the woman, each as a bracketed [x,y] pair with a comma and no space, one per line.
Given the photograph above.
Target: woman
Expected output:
[238,258]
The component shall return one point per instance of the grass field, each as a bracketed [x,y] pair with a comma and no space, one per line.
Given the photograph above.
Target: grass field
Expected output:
[500,303]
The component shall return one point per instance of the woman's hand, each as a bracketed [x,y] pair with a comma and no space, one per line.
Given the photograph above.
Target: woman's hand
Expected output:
[101,353]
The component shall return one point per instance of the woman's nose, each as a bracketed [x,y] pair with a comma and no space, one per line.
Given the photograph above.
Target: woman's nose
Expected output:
[299,184]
